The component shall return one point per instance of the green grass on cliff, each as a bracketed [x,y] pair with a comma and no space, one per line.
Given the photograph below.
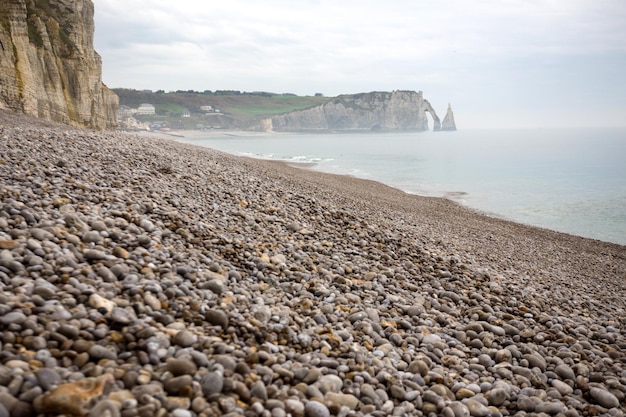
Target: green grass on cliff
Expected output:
[242,108]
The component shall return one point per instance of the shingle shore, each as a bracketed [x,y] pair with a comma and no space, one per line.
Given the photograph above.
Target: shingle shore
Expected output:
[144,277]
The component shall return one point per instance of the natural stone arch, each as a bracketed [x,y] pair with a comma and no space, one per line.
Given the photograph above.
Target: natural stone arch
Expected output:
[436,122]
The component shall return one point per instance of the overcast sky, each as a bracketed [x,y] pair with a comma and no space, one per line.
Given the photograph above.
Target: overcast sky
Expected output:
[500,63]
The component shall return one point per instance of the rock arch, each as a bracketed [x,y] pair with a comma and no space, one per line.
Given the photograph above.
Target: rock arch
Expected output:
[436,122]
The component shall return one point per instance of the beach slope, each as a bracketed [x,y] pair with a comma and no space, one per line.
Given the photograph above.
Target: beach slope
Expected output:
[140,276]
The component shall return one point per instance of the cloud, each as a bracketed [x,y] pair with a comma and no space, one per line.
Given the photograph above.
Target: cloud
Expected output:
[456,48]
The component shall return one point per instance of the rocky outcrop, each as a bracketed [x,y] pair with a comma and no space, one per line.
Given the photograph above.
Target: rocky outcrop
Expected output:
[48,66]
[448,121]
[398,110]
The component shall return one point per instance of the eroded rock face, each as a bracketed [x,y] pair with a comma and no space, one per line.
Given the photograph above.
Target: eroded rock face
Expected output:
[398,110]
[48,66]
[448,121]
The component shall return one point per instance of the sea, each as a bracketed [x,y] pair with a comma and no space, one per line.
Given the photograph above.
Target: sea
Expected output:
[570,180]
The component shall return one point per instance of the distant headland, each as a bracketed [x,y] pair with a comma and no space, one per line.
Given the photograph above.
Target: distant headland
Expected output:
[399,110]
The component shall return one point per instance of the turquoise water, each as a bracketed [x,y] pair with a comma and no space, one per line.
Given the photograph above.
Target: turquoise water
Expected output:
[570,180]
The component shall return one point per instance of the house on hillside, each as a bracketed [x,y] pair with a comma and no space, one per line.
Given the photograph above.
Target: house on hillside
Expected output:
[146,109]
[124,112]
[185,113]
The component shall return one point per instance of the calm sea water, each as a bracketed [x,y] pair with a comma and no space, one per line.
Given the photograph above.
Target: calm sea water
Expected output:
[570,180]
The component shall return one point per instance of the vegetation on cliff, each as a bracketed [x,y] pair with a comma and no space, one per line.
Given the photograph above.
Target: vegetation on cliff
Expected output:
[234,108]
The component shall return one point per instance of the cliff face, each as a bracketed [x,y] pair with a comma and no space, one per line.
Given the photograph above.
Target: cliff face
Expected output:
[398,110]
[448,121]
[48,66]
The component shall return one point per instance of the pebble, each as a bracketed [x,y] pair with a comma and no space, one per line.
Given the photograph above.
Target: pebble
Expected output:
[48,378]
[217,318]
[346,400]
[565,372]
[182,366]
[477,409]
[259,390]
[315,409]
[550,407]
[562,387]
[604,397]
[14,317]
[165,279]
[101,352]
[185,338]
[212,383]
[329,383]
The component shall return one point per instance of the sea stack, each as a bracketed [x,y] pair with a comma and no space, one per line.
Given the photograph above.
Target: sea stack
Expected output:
[448,121]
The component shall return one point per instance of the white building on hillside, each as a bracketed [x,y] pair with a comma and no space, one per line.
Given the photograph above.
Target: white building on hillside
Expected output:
[146,108]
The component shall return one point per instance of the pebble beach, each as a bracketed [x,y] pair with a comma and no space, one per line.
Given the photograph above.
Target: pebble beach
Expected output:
[144,277]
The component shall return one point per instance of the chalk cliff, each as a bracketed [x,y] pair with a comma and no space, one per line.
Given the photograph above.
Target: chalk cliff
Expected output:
[398,110]
[448,121]
[48,65]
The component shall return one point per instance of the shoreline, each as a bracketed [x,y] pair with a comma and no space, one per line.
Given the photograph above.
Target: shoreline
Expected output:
[549,214]
[183,281]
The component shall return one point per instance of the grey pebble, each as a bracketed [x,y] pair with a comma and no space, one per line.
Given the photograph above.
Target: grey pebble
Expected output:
[212,383]
[102,352]
[14,317]
[259,390]
[604,397]
[123,316]
[48,378]
[477,409]
[550,407]
[316,409]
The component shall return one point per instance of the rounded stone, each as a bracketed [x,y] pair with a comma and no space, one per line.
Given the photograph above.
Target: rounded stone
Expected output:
[463,393]
[215,287]
[93,236]
[14,317]
[345,400]
[503,355]
[550,407]
[185,338]
[122,316]
[176,385]
[48,378]
[562,387]
[605,398]
[418,366]
[182,366]
[316,409]
[536,361]
[259,390]
[497,396]
[565,372]
[212,383]
[294,407]
[329,383]
[477,409]
[102,352]
[459,409]
[180,412]
[217,318]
